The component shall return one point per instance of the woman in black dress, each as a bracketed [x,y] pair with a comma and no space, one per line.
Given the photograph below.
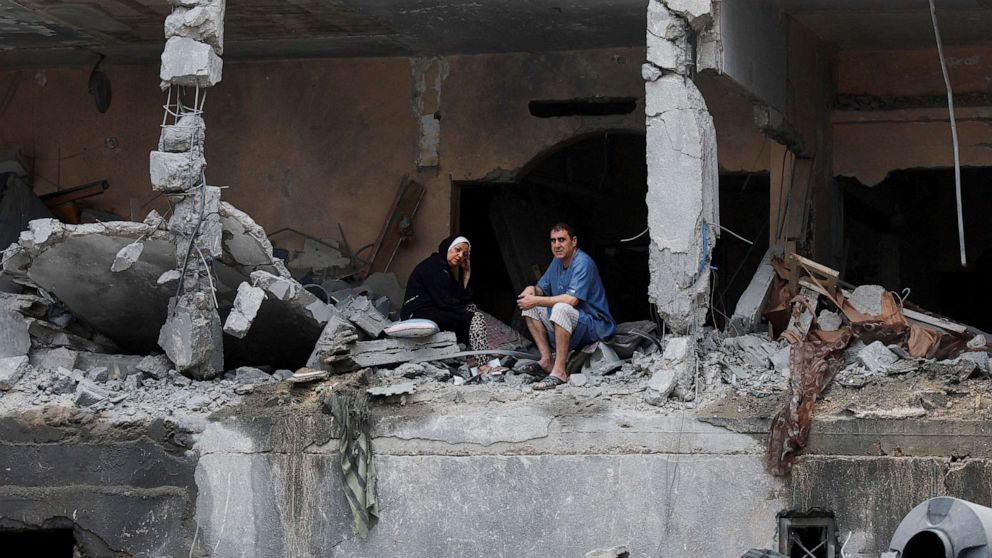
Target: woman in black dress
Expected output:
[438,291]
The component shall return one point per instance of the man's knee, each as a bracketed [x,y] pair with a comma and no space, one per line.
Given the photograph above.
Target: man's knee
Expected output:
[564,315]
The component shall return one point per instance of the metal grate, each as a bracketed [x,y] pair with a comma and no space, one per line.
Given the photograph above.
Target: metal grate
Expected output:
[808,536]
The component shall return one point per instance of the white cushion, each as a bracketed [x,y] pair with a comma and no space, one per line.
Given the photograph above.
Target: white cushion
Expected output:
[415,327]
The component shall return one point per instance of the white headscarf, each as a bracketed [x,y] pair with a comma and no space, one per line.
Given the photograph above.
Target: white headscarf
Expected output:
[458,240]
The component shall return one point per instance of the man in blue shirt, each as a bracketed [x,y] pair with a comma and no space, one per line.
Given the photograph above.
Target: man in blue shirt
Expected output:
[567,308]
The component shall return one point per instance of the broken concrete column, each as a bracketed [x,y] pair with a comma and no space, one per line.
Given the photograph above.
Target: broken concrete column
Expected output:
[203,21]
[175,172]
[190,63]
[186,134]
[191,336]
[192,209]
[682,199]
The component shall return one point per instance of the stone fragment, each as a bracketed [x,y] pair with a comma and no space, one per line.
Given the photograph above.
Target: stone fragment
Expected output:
[203,22]
[980,358]
[359,311]
[188,133]
[168,277]
[153,219]
[132,383]
[876,357]
[977,342]
[410,370]
[127,256]
[11,370]
[867,299]
[155,366]
[829,321]
[191,63]
[98,375]
[175,172]
[780,359]
[15,338]
[198,402]
[393,389]
[282,374]
[615,552]
[250,375]
[88,393]
[674,374]
[54,359]
[246,305]
[660,386]
[63,381]
[650,72]
[192,336]
[334,343]
[578,380]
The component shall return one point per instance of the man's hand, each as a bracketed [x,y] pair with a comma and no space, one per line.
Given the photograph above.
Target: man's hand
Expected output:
[526,300]
[531,290]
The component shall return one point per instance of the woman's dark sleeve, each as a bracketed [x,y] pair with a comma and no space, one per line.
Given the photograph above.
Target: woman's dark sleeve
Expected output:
[441,290]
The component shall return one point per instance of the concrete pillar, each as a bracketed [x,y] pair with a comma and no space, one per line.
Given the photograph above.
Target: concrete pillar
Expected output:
[683,193]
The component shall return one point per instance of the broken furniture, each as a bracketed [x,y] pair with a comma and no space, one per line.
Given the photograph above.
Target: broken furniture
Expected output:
[398,227]
[63,202]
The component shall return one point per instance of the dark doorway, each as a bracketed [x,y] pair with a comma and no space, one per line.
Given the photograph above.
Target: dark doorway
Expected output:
[743,210]
[598,184]
[903,233]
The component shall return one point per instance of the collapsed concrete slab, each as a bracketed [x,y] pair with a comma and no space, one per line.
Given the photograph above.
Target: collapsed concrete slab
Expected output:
[246,306]
[74,262]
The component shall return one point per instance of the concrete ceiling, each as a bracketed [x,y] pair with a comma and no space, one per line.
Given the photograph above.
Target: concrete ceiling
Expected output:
[893,24]
[38,33]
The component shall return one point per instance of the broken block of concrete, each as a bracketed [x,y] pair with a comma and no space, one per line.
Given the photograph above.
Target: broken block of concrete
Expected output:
[155,366]
[250,375]
[751,305]
[11,370]
[190,63]
[191,211]
[359,311]
[331,352]
[88,393]
[829,321]
[867,299]
[187,134]
[246,305]
[676,373]
[383,352]
[15,340]
[289,291]
[175,172]
[127,256]
[877,357]
[63,381]
[168,277]
[192,338]
[578,380]
[203,22]
[54,359]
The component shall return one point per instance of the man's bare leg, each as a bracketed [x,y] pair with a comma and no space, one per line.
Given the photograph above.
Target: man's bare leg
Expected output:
[540,337]
[562,337]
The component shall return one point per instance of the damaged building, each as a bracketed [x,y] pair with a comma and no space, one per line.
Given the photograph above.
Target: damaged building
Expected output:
[209,211]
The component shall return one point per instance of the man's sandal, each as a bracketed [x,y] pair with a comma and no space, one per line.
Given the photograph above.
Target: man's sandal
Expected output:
[551,382]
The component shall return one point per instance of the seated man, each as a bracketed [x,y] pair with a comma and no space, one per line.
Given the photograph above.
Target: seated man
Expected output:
[567,308]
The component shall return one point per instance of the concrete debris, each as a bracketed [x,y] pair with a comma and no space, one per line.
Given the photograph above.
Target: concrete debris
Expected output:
[190,63]
[977,342]
[897,413]
[63,381]
[11,370]
[187,134]
[175,172]
[332,350]
[307,375]
[203,22]
[359,311]
[200,208]
[287,290]
[867,299]
[386,284]
[88,393]
[155,366]
[675,373]
[168,277]
[99,375]
[127,256]
[876,357]
[54,359]
[578,380]
[249,375]
[246,305]
[191,336]
[829,321]
[15,340]
[393,389]
[384,352]
[615,552]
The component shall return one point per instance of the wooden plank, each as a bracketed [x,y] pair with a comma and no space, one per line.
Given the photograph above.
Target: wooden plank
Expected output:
[815,266]
[934,321]
[398,227]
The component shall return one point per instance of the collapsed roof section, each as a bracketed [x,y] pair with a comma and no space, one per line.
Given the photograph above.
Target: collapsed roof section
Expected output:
[76,264]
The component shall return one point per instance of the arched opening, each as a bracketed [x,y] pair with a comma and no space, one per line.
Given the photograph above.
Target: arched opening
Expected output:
[926,544]
[597,183]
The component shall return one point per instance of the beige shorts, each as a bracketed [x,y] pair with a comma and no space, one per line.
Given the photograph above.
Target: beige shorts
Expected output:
[564,315]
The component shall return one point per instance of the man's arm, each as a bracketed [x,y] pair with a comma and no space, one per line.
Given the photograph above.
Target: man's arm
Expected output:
[533,296]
